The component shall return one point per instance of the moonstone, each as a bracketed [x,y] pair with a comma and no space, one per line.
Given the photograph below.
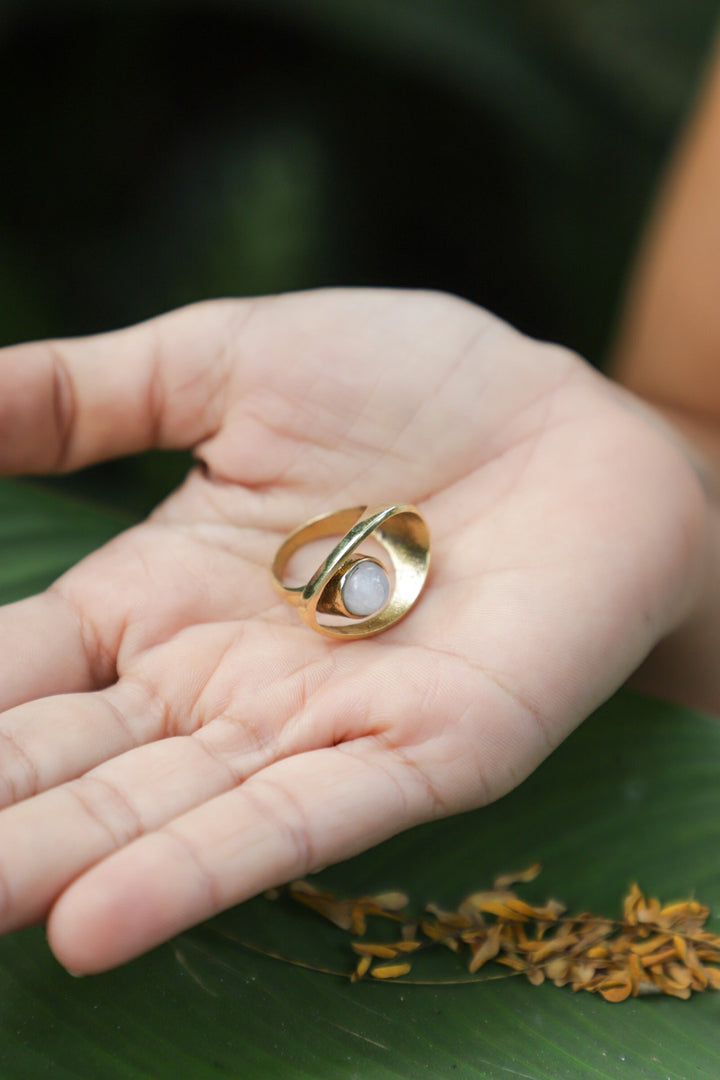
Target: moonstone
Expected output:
[366,588]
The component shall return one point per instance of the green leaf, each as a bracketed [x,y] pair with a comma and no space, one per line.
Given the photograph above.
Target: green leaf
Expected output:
[42,534]
[132,486]
[634,794]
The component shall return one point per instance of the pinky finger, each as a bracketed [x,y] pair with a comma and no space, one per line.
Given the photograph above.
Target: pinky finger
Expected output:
[295,816]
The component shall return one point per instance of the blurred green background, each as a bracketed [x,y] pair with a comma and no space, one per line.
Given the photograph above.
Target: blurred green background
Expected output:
[157,152]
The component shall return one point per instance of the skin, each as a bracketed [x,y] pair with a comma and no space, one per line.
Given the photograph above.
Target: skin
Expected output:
[667,353]
[178,740]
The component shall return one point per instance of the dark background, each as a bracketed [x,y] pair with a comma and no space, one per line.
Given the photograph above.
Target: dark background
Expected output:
[155,153]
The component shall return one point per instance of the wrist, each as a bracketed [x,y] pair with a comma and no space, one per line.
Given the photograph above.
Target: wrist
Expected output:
[683,667]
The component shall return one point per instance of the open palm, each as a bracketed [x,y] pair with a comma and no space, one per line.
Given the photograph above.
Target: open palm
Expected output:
[173,738]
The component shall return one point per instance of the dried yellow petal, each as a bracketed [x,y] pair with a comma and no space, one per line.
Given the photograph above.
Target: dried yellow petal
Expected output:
[557,968]
[449,918]
[618,992]
[650,945]
[679,974]
[407,946]
[636,973]
[631,903]
[482,951]
[504,881]
[385,952]
[391,901]
[338,912]
[390,971]
[362,968]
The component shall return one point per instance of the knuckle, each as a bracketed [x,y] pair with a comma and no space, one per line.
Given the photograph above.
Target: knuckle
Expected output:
[63,406]
[292,821]
[19,777]
[109,808]
[208,881]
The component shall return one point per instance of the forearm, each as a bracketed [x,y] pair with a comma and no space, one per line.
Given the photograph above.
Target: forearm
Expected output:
[668,349]
[669,354]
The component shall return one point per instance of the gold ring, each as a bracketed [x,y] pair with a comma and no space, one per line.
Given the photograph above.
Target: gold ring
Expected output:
[357,587]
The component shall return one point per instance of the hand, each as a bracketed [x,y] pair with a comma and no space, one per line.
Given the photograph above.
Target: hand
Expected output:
[173,738]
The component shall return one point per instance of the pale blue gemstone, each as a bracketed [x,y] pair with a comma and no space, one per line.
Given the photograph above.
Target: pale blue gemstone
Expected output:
[366,588]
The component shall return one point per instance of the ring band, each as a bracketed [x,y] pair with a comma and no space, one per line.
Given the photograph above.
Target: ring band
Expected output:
[353,585]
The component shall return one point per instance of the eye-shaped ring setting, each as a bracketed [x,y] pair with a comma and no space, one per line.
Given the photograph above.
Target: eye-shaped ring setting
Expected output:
[354,585]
